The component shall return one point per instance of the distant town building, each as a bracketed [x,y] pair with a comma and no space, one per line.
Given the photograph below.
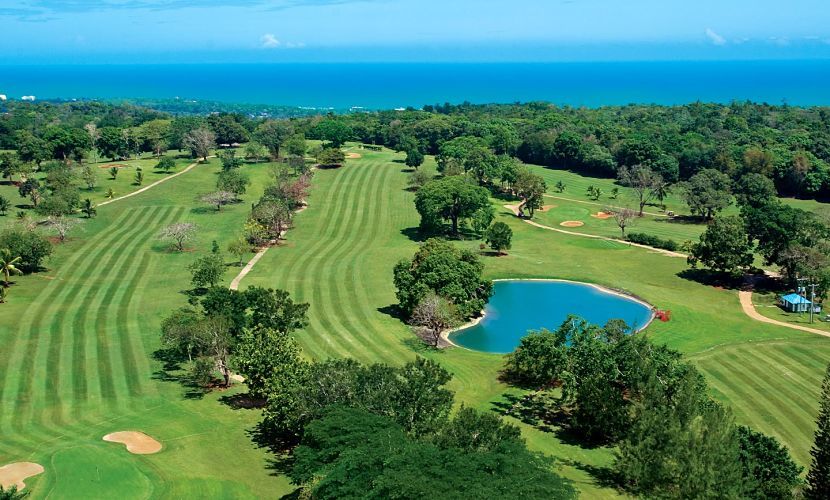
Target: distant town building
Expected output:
[28,98]
[2,97]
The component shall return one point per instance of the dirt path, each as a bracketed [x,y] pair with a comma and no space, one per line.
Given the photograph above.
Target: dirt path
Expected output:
[749,309]
[669,253]
[596,204]
[145,188]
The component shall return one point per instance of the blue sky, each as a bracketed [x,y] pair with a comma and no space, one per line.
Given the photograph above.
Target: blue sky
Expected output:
[74,31]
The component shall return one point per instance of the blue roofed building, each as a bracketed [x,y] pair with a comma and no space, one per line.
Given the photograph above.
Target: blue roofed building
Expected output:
[794,303]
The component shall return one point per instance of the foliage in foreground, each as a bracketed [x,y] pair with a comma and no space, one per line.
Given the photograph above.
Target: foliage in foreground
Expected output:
[353,453]
[818,479]
[673,440]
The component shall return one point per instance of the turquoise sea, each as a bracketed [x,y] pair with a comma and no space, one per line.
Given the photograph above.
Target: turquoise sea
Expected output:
[392,85]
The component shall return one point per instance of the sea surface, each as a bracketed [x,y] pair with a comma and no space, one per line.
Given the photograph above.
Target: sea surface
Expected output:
[393,85]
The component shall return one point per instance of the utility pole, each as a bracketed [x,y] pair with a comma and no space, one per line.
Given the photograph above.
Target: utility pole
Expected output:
[812,300]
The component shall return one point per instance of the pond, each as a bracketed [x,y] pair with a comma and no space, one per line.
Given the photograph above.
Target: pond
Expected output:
[521,305]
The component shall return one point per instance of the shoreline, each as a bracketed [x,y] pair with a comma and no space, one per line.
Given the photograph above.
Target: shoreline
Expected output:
[446,334]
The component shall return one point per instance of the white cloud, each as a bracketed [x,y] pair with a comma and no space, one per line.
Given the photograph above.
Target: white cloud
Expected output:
[714,37]
[269,41]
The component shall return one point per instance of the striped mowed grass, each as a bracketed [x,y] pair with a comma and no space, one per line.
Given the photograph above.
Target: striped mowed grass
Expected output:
[77,359]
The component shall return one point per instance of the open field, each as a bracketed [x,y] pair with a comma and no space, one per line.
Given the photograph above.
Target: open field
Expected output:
[77,339]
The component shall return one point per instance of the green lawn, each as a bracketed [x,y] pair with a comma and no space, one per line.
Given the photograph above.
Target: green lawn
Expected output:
[124,183]
[77,339]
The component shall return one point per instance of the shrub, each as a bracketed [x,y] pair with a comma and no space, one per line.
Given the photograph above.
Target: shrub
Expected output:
[31,246]
[653,241]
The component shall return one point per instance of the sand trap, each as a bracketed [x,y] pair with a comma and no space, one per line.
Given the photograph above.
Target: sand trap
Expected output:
[545,208]
[136,442]
[14,474]
[116,165]
[353,156]
[571,223]
[602,215]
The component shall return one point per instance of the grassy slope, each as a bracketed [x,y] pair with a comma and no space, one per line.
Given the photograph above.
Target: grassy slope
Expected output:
[76,361]
[340,259]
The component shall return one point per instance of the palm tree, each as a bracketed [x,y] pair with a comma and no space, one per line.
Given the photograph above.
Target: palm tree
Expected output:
[4,205]
[88,208]
[11,493]
[8,264]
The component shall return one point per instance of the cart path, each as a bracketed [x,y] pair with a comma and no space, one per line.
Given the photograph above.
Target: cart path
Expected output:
[749,309]
[669,253]
[546,195]
[247,269]
[145,188]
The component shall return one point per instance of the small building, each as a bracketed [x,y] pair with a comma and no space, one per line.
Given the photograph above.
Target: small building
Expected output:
[794,303]
[3,97]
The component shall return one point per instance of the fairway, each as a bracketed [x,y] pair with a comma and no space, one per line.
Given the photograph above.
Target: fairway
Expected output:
[77,361]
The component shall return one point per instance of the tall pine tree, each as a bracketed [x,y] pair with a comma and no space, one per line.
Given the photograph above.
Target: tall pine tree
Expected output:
[818,479]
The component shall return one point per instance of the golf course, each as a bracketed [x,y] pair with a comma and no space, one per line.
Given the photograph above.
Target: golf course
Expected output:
[79,338]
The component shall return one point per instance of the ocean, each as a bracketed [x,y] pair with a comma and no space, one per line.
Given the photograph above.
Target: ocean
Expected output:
[393,85]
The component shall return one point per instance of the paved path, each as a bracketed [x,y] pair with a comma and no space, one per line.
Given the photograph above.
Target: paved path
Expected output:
[145,188]
[746,304]
[669,253]
[245,270]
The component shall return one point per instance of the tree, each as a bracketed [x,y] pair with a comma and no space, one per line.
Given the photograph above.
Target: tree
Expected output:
[10,493]
[272,134]
[199,141]
[179,233]
[330,157]
[4,205]
[207,271]
[29,245]
[418,179]
[61,225]
[768,469]
[274,216]
[139,176]
[818,478]
[114,172]
[560,186]
[724,246]
[414,158]
[218,198]
[89,208]
[263,354]
[643,181]
[681,445]
[447,271]
[239,248]
[531,189]
[31,148]
[434,314]
[233,181]
[498,237]
[707,193]
[255,151]
[229,160]
[89,176]
[31,188]
[296,146]
[8,264]
[755,190]
[624,217]
[65,142]
[166,164]
[337,132]
[155,134]
[449,198]
[214,341]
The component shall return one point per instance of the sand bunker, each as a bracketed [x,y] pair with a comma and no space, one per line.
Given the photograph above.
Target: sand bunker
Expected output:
[136,442]
[545,208]
[571,223]
[602,215]
[353,156]
[116,165]
[14,474]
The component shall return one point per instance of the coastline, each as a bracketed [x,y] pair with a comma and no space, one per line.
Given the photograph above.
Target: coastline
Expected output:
[445,335]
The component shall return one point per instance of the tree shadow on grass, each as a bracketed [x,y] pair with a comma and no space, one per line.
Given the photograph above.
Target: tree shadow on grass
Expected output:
[712,278]
[606,477]
[415,234]
[242,401]
[172,371]
[393,311]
